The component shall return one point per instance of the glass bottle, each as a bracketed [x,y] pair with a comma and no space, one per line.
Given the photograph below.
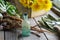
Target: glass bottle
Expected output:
[25,25]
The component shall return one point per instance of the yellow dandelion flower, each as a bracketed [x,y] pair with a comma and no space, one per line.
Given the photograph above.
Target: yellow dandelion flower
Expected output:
[22,1]
[25,3]
[36,7]
[30,4]
[40,1]
[47,5]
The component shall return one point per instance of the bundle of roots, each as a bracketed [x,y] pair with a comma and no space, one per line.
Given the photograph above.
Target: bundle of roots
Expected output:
[10,22]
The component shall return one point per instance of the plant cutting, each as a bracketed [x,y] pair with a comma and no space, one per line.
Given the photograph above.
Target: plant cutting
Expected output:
[49,22]
[7,7]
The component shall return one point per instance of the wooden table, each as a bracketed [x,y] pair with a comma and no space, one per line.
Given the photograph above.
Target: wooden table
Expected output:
[44,36]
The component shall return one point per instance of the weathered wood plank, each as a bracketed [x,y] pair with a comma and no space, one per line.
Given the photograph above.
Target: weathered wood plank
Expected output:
[1,35]
[10,35]
[52,36]
[33,37]
[14,36]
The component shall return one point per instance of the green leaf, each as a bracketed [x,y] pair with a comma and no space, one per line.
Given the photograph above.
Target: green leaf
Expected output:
[12,10]
[51,17]
[8,7]
[47,26]
[2,2]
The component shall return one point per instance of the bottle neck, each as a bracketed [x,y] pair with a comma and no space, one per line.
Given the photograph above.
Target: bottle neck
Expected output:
[25,16]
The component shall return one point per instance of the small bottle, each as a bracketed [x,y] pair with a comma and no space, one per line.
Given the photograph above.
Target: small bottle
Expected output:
[25,26]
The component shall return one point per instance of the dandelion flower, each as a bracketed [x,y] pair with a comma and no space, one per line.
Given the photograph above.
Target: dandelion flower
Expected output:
[47,5]
[36,7]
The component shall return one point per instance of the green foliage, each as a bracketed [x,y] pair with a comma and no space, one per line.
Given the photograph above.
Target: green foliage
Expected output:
[7,7]
[48,22]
